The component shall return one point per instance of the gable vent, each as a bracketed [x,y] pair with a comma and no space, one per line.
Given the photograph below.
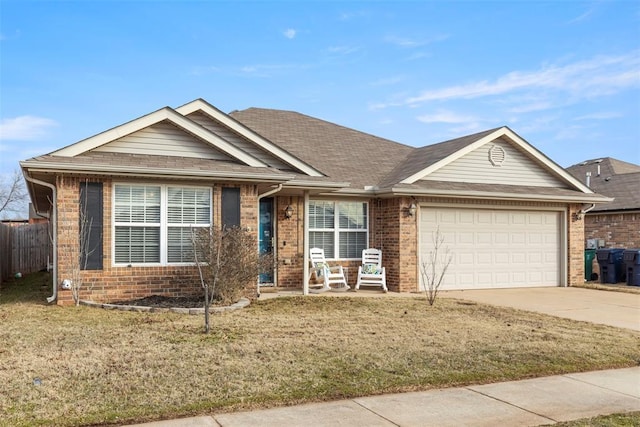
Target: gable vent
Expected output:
[497,155]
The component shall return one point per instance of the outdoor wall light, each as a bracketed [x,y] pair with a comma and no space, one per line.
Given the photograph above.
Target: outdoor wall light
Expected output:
[412,209]
[288,212]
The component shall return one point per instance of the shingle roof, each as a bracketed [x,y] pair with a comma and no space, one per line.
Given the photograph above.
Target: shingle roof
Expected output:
[340,153]
[617,179]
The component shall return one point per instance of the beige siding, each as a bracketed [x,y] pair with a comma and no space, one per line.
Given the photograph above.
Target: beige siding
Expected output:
[237,140]
[164,139]
[476,167]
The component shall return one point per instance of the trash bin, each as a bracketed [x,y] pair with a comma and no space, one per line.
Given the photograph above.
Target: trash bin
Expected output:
[611,265]
[631,259]
[589,256]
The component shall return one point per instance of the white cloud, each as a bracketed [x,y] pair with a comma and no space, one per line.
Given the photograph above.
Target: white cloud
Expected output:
[388,81]
[443,116]
[343,50]
[268,70]
[25,128]
[531,107]
[599,76]
[604,115]
[406,42]
[290,33]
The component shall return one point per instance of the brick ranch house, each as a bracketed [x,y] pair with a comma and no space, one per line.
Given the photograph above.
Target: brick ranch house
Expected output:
[615,224]
[510,215]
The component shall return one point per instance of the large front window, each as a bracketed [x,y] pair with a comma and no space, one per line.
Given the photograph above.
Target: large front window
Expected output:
[340,228]
[153,223]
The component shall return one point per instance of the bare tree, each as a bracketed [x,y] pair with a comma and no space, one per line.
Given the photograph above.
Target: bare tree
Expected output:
[13,194]
[227,261]
[434,266]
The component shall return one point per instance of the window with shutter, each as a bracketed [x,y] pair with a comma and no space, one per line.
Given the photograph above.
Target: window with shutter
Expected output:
[153,223]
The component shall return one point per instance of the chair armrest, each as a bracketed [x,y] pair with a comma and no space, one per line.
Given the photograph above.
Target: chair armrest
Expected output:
[335,268]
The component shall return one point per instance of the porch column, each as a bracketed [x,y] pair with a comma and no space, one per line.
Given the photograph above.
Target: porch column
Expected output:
[305,239]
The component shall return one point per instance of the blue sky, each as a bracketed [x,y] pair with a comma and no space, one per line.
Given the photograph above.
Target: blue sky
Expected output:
[563,75]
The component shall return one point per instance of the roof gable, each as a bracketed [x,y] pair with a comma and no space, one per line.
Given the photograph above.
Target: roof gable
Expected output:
[199,107]
[164,139]
[494,147]
[496,162]
[163,115]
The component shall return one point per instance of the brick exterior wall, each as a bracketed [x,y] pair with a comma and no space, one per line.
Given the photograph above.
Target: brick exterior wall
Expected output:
[289,242]
[391,229]
[575,246]
[618,230]
[123,283]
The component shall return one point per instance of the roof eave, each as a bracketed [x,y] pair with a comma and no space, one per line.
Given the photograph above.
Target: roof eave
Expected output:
[578,198]
[147,172]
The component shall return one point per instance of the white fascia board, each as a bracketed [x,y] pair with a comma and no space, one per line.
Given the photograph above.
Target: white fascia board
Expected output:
[546,162]
[303,183]
[111,134]
[503,196]
[209,110]
[454,156]
[152,172]
[165,113]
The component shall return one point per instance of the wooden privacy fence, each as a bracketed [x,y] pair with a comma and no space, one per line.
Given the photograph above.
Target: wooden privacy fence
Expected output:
[24,249]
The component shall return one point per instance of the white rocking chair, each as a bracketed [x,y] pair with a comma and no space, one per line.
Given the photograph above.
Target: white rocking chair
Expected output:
[329,275]
[371,272]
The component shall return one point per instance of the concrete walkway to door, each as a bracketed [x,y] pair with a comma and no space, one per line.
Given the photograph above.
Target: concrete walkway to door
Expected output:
[619,309]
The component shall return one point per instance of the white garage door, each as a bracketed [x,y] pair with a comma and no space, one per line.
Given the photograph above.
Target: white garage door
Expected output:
[494,248]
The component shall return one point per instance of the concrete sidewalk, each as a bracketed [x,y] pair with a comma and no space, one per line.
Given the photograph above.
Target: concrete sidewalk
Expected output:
[516,403]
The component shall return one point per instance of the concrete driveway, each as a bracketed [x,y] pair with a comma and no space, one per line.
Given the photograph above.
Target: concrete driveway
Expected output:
[617,309]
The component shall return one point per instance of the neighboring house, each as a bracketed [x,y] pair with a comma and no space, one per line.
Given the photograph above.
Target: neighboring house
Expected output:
[615,224]
[510,216]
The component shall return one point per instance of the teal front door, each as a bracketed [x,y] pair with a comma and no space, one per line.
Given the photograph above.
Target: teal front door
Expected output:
[265,236]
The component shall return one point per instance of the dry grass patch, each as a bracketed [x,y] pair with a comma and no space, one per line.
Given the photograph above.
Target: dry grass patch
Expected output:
[631,419]
[618,287]
[98,366]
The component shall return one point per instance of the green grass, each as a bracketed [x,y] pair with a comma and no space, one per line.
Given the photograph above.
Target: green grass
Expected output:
[631,419]
[99,366]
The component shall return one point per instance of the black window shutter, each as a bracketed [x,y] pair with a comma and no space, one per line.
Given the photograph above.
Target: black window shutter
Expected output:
[91,211]
[230,207]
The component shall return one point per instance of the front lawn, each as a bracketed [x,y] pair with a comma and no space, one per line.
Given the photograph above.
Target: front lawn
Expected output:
[81,365]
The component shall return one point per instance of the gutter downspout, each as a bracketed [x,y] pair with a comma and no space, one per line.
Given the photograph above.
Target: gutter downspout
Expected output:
[584,211]
[261,196]
[54,219]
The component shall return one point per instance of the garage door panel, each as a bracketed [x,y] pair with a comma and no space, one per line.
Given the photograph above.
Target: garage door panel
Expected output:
[494,247]
[467,238]
[483,238]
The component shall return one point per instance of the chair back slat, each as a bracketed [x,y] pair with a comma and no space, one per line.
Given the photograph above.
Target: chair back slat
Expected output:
[372,256]
[316,255]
